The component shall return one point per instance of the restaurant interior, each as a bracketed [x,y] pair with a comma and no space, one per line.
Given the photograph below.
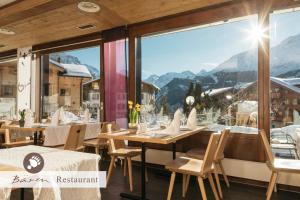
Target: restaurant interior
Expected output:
[149,99]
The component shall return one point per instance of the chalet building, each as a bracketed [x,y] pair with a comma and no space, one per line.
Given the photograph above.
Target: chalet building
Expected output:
[284,97]
[63,84]
[91,93]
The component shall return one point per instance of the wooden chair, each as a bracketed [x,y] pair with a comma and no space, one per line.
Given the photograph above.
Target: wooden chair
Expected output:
[277,165]
[75,138]
[118,149]
[98,144]
[199,153]
[194,167]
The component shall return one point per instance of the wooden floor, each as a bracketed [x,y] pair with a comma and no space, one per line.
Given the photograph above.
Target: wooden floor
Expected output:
[158,184]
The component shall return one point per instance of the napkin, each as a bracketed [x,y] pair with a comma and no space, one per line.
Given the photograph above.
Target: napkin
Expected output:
[192,120]
[86,117]
[62,115]
[29,119]
[298,140]
[174,127]
[55,118]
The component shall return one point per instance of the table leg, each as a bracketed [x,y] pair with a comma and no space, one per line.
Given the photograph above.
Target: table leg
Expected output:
[174,150]
[143,179]
[35,138]
[22,193]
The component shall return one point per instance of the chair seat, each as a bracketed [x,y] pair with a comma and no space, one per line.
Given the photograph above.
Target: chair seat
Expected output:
[283,146]
[186,165]
[287,165]
[95,143]
[128,151]
[197,153]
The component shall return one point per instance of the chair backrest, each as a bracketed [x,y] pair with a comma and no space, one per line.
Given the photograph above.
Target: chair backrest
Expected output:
[113,144]
[267,146]
[210,152]
[222,143]
[75,137]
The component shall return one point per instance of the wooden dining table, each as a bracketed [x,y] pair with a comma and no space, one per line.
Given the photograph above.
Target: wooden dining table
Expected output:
[152,136]
[36,130]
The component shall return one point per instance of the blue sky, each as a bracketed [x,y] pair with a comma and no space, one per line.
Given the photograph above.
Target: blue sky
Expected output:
[90,56]
[201,48]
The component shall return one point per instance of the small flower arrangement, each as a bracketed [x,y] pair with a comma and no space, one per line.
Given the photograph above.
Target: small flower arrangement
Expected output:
[134,112]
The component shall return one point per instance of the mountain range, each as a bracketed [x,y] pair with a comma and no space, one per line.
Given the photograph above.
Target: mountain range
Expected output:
[284,62]
[234,72]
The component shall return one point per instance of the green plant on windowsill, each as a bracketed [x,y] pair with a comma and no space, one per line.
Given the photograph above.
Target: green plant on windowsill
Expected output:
[22,118]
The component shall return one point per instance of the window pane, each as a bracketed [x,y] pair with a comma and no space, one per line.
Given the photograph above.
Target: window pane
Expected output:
[71,80]
[285,83]
[8,89]
[215,64]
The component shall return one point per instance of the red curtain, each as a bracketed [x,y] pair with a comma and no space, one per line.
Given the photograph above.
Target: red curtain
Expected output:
[115,71]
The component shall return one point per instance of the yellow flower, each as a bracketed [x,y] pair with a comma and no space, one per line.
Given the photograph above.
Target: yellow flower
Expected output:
[138,109]
[130,106]
[137,105]
[130,102]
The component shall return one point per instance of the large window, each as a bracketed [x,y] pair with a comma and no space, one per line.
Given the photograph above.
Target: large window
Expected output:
[71,80]
[215,64]
[285,83]
[8,89]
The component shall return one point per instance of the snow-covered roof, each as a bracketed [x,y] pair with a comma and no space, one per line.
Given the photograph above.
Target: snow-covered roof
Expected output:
[213,92]
[286,83]
[293,81]
[73,69]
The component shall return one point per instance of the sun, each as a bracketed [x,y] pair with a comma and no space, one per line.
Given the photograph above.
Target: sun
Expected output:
[256,34]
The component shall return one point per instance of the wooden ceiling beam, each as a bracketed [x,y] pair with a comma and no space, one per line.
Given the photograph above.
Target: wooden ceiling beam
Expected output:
[21,11]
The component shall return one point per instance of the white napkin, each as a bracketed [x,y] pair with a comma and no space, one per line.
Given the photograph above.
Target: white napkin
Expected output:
[55,118]
[29,120]
[174,127]
[62,115]
[298,140]
[192,120]
[86,115]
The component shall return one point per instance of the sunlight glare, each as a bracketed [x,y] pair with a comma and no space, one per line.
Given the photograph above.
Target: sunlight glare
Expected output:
[256,34]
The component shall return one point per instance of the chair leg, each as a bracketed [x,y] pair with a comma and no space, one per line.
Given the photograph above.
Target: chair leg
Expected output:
[187,183]
[271,186]
[202,188]
[184,178]
[218,184]
[224,174]
[129,173]
[171,185]
[97,151]
[124,167]
[111,166]
[146,174]
[269,183]
[213,187]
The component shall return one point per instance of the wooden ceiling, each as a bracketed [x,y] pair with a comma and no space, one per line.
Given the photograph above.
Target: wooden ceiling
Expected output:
[40,21]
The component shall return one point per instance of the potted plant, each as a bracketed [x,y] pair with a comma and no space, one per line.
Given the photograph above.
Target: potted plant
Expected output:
[133,114]
[22,118]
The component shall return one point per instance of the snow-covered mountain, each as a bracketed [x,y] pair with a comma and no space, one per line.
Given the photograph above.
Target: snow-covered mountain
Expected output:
[285,57]
[164,79]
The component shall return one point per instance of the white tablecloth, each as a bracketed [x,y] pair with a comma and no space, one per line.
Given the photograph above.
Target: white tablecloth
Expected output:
[54,161]
[57,135]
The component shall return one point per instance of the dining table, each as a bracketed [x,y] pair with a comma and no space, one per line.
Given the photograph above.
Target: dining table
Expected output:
[36,130]
[55,160]
[150,136]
